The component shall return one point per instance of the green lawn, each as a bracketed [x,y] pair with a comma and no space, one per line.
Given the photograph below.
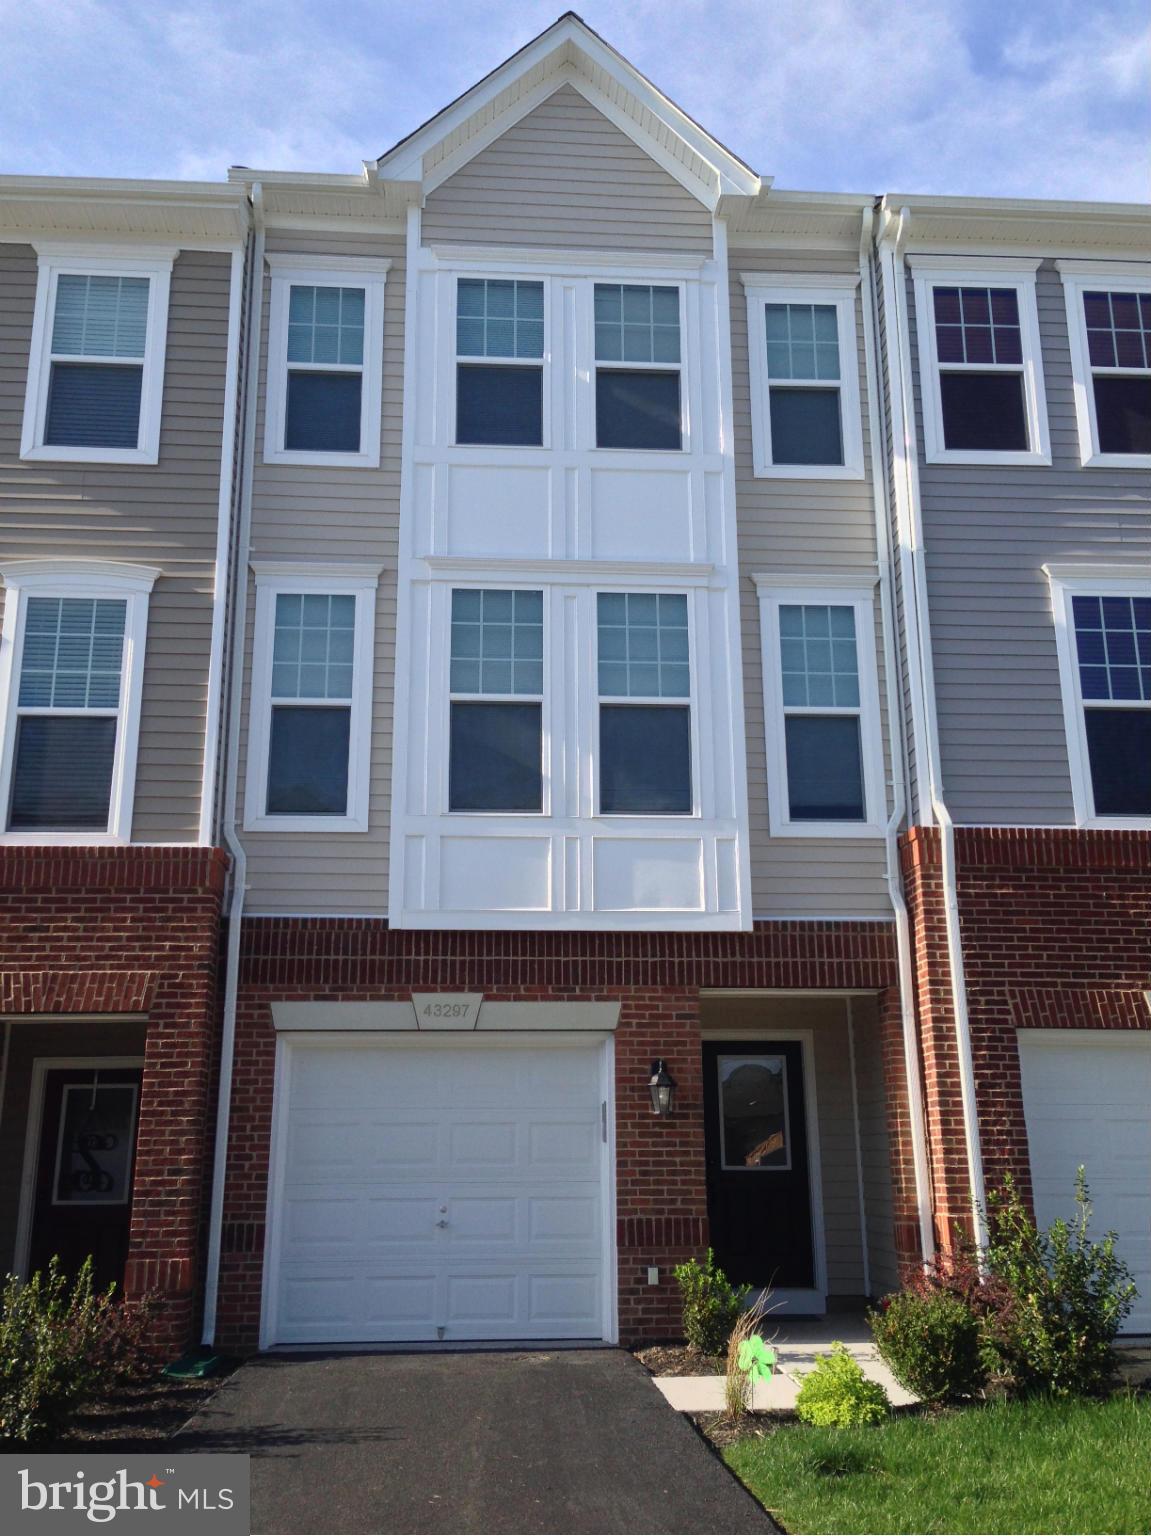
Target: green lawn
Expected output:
[1024,1467]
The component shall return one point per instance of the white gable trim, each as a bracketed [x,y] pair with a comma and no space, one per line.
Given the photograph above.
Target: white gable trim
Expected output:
[406,161]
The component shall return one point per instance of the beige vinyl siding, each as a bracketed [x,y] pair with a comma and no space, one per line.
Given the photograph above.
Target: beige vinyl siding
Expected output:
[767,1016]
[163,515]
[308,512]
[565,175]
[987,533]
[808,526]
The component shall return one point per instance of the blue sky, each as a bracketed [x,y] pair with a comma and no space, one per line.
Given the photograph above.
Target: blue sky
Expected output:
[1048,98]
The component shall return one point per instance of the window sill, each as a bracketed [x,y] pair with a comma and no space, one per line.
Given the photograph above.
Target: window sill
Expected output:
[1115,824]
[306,824]
[972,456]
[809,472]
[63,840]
[322,460]
[837,830]
[1117,461]
[64,455]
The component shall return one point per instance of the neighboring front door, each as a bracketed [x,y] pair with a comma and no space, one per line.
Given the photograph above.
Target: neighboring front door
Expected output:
[758,1193]
[82,1200]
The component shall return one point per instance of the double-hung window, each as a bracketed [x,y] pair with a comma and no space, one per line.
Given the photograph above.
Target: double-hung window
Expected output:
[496,684]
[821,710]
[499,361]
[1109,327]
[325,362]
[309,750]
[644,675]
[74,654]
[638,390]
[804,366]
[1103,628]
[96,365]
[979,362]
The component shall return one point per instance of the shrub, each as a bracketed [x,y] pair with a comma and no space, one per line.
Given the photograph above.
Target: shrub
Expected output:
[738,1381]
[838,1395]
[933,1342]
[711,1304]
[1071,1294]
[60,1342]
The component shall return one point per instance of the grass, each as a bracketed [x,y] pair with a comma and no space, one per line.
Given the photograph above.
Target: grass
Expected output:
[1041,1466]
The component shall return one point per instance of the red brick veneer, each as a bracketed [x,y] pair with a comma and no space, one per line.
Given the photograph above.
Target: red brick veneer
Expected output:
[132,931]
[661,1198]
[1056,927]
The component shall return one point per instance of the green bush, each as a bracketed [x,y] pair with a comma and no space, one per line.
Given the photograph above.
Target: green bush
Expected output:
[61,1342]
[933,1343]
[837,1395]
[1070,1293]
[711,1304]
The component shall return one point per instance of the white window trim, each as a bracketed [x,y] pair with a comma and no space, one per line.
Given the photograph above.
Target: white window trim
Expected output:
[1088,581]
[838,289]
[55,260]
[543,363]
[619,365]
[850,592]
[688,701]
[985,272]
[77,578]
[369,273]
[1078,278]
[272,579]
[443,596]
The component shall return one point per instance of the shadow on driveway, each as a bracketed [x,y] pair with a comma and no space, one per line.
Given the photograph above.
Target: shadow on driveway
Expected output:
[575,1441]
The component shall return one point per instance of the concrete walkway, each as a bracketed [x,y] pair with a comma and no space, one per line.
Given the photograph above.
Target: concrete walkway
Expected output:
[798,1345]
[564,1441]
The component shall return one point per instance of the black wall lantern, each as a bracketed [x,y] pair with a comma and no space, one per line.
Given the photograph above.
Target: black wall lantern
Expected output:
[661,1086]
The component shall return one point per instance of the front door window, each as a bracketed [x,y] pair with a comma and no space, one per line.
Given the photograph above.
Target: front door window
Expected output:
[753,1112]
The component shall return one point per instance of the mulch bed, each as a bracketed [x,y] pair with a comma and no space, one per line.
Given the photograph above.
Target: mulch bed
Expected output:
[679,1360]
[131,1418]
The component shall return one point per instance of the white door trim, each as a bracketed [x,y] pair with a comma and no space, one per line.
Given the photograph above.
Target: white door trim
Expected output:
[512,1039]
[798,1299]
[41,1066]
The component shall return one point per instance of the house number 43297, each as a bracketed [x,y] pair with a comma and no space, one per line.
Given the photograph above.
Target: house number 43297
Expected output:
[447,1010]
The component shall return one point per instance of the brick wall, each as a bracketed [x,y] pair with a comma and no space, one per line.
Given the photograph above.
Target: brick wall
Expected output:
[1056,927]
[133,931]
[661,1196]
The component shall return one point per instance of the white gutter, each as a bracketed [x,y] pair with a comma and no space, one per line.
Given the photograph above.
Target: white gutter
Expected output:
[906,967]
[231,772]
[224,531]
[912,564]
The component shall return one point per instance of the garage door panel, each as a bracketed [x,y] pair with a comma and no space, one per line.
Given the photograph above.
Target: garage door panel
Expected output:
[1087,1101]
[476,1213]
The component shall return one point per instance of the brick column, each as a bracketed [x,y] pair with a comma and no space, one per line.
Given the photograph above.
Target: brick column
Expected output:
[904,1204]
[921,857]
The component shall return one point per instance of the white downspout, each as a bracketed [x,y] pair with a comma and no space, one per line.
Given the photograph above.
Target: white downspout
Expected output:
[892,690]
[915,592]
[251,378]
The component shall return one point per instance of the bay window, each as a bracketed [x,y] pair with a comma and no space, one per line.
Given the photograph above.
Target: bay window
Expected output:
[644,677]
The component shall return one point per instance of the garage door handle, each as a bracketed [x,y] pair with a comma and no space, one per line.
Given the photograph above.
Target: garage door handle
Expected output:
[443,1221]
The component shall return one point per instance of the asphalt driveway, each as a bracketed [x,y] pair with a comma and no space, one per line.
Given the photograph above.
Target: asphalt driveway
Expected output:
[570,1441]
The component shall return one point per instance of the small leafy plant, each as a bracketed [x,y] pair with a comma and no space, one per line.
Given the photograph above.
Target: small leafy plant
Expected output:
[1071,1295]
[711,1304]
[933,1342]
[837,1395]
[61,1341]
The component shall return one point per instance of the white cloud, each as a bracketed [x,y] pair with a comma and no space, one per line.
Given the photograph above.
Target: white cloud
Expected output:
[967,96]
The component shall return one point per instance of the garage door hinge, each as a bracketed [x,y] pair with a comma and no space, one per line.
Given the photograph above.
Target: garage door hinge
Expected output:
[603,1120]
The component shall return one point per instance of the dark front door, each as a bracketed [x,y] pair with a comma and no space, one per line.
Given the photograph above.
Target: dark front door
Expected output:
[758,1194]
[83,1194]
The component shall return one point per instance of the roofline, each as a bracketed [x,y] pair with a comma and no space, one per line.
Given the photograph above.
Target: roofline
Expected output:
[459,103]
[126,189]
[1017,207]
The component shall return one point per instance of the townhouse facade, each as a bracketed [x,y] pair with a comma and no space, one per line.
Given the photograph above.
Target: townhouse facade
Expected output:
[562,705]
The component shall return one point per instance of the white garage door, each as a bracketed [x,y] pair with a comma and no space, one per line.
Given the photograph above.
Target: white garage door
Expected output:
[1087,1099]
[438,1191]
